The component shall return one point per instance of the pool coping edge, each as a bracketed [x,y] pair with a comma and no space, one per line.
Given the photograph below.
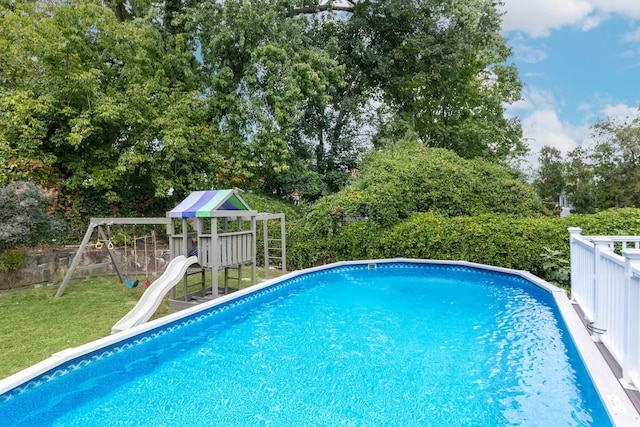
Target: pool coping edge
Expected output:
[619,407]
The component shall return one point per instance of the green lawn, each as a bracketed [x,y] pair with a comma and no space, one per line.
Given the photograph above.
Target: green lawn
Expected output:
[34,324]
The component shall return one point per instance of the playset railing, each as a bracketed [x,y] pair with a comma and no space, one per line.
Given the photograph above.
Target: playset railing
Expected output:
[233,248]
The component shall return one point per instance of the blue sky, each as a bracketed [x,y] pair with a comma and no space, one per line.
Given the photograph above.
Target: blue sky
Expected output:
[579,61]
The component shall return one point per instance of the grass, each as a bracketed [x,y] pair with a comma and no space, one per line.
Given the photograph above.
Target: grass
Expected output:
[34,324]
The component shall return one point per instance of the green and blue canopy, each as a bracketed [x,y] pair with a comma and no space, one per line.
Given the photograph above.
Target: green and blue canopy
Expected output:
[204,204]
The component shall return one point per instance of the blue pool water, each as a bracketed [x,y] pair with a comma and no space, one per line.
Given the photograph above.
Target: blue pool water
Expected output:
[400,345]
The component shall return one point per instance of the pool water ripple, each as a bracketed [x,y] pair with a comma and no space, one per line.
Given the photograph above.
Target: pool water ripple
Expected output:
[402,345]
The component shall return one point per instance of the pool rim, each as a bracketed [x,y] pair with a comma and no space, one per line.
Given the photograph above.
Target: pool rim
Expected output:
[613,396]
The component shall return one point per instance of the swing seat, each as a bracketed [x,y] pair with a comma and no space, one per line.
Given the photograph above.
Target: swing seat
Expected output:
[131,285]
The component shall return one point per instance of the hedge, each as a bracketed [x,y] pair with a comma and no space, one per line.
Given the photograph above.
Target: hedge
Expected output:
[495,239]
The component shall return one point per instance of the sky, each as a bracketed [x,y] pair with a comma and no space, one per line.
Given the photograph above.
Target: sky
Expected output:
[579,61]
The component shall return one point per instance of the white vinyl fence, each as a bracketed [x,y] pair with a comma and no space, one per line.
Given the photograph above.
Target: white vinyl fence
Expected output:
[605,283]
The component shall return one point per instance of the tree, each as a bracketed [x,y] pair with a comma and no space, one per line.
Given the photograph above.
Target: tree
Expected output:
[268,87]
[441,69]
[117,104]
[309,93]
[602,176]
[580,181]
[100,108]
[550,178]
[606,175]
[616,159]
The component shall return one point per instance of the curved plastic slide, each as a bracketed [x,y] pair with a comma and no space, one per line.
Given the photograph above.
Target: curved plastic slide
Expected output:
[152,297]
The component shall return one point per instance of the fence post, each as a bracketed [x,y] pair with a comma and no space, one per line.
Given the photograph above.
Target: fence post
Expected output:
[631,356]
[600,244]
[574,233]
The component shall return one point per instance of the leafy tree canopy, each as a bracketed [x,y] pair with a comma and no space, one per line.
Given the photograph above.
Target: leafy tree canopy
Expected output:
[104,111]
[441,69]
[602,176]
[550,178]
[124,107]
[310,92]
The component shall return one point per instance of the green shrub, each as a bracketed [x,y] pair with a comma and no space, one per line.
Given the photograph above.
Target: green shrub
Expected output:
[24,220]
[625,221]
[11,260]
[557,268]
[495,239]
[407,177]
[262,203]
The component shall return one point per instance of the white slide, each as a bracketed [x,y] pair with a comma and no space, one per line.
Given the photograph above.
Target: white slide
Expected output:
[152,297]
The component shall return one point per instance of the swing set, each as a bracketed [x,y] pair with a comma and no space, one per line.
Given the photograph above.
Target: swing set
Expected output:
[136,282]
[133,270]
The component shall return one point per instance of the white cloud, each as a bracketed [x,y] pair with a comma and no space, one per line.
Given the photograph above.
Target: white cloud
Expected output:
[532,99]
[541,98]
[538,18]
[620,112]
[530,54]
[542,125]
[521,105]
[632,36]
[629,8]
[526,52]
[592,21]
[629,54]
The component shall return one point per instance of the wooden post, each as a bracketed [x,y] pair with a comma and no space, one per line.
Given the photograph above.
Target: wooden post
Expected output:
[185,238]
[283,244]
[102,236]
[265,237]
[214,255]
[253,249]
[171,230]
[76,259]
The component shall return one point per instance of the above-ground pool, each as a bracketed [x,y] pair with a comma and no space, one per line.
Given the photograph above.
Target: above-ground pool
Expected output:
[387,343]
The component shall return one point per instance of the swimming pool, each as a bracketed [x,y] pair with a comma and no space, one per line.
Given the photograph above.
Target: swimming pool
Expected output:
[376,343]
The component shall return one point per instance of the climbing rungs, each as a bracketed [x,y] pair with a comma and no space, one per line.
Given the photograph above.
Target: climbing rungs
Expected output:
[193,273]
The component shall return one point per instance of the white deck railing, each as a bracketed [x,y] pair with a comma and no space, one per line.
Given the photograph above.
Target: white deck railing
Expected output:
[606,287]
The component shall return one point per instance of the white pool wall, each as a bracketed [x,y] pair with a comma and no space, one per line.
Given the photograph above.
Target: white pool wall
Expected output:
[617,403]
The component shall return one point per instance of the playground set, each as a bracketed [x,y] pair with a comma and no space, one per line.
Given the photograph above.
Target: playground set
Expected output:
[207,232]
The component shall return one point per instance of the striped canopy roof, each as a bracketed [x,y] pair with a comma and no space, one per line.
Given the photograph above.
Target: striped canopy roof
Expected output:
[203,204]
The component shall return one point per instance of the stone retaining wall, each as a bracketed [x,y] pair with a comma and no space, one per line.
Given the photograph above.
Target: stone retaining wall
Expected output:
[46,268]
